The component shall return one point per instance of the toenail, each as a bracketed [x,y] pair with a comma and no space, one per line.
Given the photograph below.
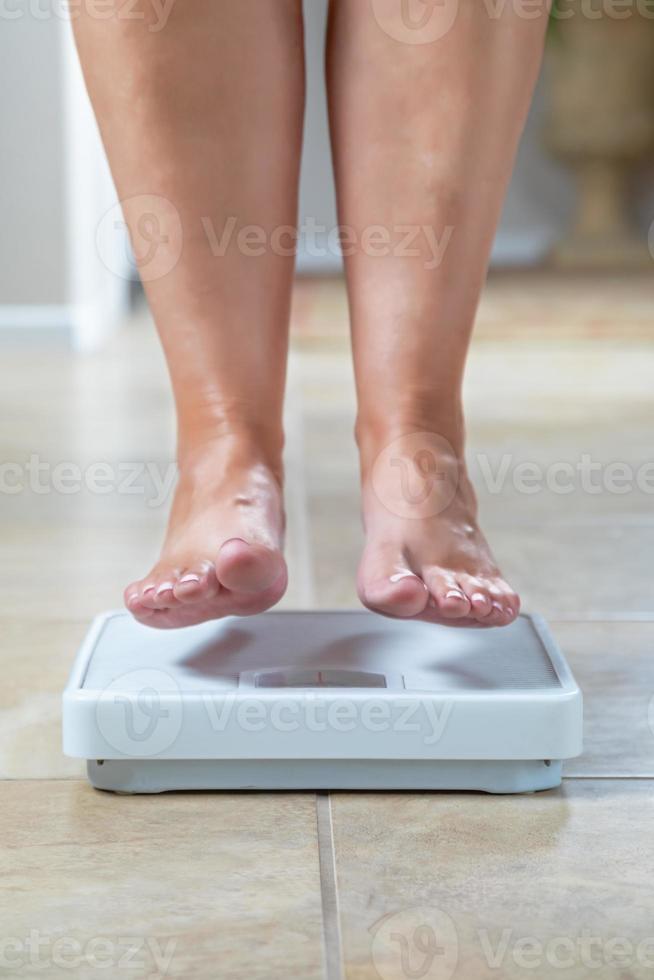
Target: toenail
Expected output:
[496,605]
[478,597]
[132,598]
[189,578]
[165,587]
[401,575]
[509,611]
[148,588]
[454,594]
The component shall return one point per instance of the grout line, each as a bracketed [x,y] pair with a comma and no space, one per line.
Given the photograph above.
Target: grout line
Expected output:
[619,522]
[333,943]
[601,617]
[296,487]
[608,776]
[82,778]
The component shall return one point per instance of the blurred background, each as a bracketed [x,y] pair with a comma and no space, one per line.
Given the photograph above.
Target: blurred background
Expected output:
[582,194]
[559,384]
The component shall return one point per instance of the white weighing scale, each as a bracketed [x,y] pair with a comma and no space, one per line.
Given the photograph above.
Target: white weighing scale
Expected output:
[321,700]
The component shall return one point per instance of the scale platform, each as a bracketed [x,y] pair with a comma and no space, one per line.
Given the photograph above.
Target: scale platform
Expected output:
[321,700]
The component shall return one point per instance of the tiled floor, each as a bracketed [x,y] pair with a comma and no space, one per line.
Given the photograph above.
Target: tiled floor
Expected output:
[361,886]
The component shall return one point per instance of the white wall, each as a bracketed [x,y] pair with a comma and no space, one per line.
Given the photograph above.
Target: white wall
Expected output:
[32,267]
[55,187]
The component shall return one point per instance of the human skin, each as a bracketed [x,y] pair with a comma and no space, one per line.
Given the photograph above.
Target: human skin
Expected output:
[202,122]
[424,137]
[206,114]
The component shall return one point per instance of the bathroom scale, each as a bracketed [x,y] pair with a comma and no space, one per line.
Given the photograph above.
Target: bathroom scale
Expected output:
[321,700]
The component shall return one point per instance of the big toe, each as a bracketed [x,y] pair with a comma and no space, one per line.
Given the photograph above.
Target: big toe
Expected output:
[243,567]
[386,585]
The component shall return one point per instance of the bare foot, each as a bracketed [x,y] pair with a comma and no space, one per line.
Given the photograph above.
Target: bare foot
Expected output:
[425,556]
[222,552]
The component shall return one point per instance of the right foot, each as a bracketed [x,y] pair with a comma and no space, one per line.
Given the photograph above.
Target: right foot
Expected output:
[222,552]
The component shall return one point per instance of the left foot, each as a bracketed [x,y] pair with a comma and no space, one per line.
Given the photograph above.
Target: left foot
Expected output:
[425,556]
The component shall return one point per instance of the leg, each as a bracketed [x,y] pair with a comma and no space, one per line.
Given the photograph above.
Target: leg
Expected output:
[202,123]
[424,139]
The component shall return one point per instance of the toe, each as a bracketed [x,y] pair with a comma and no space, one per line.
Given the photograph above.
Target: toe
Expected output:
[512,608]
[164,591]
[481,603]
[197,583]
[402,594]
[505,603]
[243,567]
[387,584]
[147,598]
[133,597]
[448,594]
[140,600]
[498,615]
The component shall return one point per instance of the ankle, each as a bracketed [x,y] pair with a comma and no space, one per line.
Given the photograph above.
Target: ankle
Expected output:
[442,429]
[239,448]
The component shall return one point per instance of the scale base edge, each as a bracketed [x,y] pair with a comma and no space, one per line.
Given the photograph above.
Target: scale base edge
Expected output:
[169,775]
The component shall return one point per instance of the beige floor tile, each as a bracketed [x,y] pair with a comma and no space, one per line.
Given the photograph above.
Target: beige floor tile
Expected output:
[35,658]
[549,379]
[223,885]
[73,571]
[560,571]
[527,474]
[67,572]
[335,554]
[136,493]
[534,402]
[581,477]
[574,572]
[113,404]
[570,429]
[542,883]
[612,663]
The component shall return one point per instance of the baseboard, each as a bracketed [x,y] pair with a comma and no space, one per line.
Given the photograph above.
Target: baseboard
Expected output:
[35,323]
[80,327]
